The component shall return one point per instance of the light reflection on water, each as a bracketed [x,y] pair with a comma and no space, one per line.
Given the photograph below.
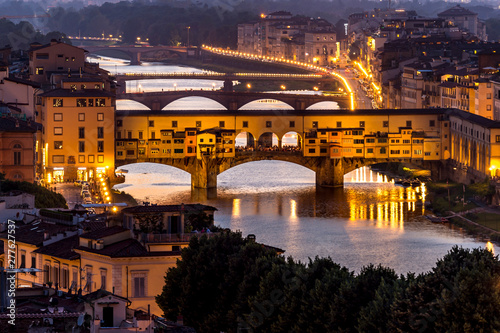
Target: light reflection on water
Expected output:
[362,223]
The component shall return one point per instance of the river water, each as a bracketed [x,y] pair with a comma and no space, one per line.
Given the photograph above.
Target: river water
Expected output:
[369,220]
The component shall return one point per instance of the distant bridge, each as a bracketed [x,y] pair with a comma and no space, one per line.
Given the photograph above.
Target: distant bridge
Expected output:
[228,78]
[134,52]
[233,100]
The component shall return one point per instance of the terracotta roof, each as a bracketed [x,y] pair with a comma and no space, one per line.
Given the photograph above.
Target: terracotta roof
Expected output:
[168,208]
[456,11]
[38,46]
[127,248]
[89,226]
[104,232]
[62,249]
[22,81]
[34,233]
[11,124]
[100,293]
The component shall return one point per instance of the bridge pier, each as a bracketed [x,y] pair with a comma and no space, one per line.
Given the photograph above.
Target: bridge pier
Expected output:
[204,175]
[135,58]
[330,172]
[228,85]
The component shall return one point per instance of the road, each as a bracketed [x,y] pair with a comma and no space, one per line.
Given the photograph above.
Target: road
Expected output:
[362,100]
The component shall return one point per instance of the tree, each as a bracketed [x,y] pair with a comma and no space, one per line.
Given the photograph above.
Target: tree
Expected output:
[212,281]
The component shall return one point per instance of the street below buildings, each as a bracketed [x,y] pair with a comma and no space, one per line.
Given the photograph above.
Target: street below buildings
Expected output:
[362,100]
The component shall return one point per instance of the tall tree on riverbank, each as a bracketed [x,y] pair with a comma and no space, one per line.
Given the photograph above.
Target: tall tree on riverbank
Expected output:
[228,283]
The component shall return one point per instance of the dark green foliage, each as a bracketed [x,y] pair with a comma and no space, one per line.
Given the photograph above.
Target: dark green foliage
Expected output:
[20,35]
[198,221]
[229,284]
[44,198]
[211,283]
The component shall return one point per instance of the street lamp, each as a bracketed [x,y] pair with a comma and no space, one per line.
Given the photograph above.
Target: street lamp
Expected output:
[175,86]
[188,35]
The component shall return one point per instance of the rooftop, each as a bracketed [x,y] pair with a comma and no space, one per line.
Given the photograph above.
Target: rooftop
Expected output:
[76,93]
[62,249]
[36,233]
[104,232]
[456,11]
[127,248]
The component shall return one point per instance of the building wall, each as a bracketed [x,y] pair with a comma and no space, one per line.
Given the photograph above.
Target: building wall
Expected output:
[56,57]
[18,94]
[12,143]
[62,124]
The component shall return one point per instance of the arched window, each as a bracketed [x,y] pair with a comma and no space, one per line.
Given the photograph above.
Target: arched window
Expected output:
[18,177]
[18,146]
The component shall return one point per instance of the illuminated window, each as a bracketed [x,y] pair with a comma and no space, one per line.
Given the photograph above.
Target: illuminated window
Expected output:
[81,117]
[100,158]
[100,116]
[58,145]
[58,130]
[58,116]
[57,102]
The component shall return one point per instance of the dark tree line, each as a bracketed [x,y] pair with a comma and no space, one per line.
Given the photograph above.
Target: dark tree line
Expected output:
[231,284]
[19,36]
[161,24]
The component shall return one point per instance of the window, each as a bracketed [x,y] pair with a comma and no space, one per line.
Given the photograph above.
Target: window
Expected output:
[315,124]
[97,86]
[417,152]
[269,124]
[81,158]
[81,132]
[33,262]
[100,158]
[17,158]
[292,123]
[23,260]
[83,87]
[312,150]
[39,71]
[81,146]
[57,102]
[81,102]
[81,117]
[488,107]
[497,138]
[408,123]
[370,140]
[427,153]
[385,123]
[383,150]
[488,96]
[46,273]
[140,135]
[359,141]
[119,153]
[312,141]
[369,150]
[361,124]
[406,141]
[153,135]
[222,124]
[65,278]
[119,123]
[100,132]
[100,146]
[57,158]
[323,150]
[100,116]
[58,117]
[178,151]
[174,123]
[198,123]
[58,130]
[139,286]
[245,124]
[339,124]
[382,140]
[91,158]
[99,102]
[58,145]
[91,102]
[395,152]
[103,279]
[432,123]
[406,152]
[118,135]
[151,123]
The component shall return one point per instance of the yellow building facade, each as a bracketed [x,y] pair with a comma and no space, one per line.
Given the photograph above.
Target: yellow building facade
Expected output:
[78,121]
